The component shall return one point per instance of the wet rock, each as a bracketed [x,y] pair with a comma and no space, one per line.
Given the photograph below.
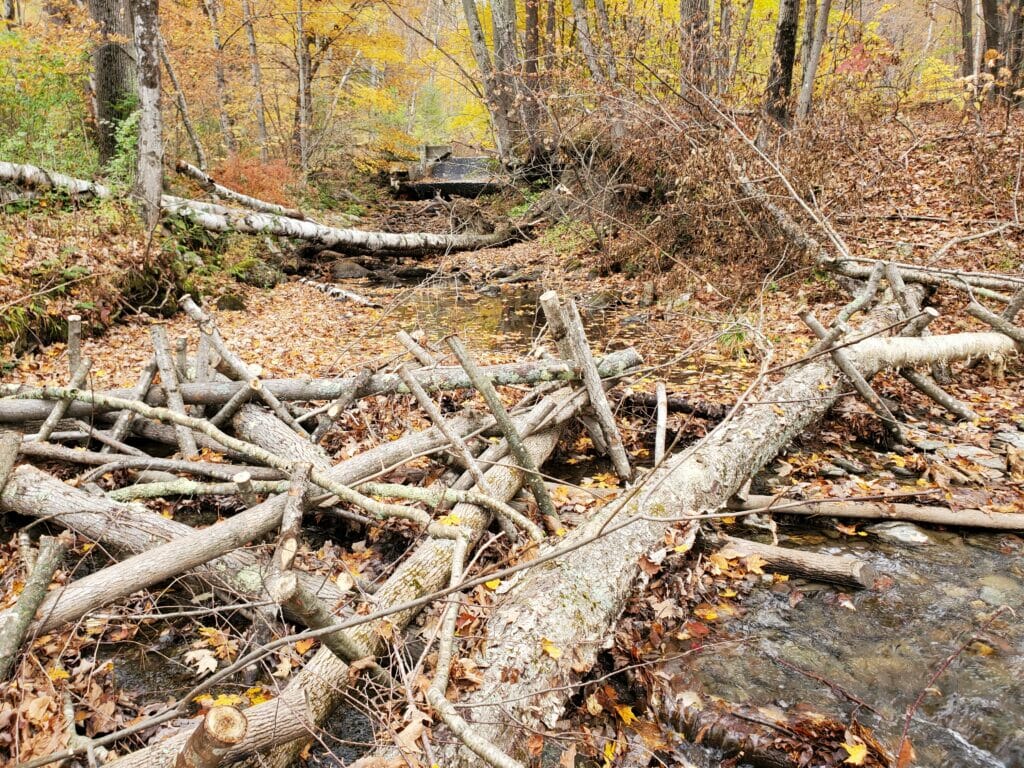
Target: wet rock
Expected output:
[1003,440]
[501,272]
[347,269]
[489,290]
[907,534]
[231,302]
[997,589]
[413,272]
[850,465]
[832,471]
[600,300]
[521,278]
[973,453]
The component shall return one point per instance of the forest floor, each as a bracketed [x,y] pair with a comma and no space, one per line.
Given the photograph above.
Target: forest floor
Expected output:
[914,195]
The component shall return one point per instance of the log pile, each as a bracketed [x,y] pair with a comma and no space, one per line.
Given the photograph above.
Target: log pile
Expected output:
[211,425]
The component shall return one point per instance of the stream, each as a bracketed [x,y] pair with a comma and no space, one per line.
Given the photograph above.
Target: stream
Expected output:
[883,646]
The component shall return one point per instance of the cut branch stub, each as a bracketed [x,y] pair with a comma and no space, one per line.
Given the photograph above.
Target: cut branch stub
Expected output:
[221,729]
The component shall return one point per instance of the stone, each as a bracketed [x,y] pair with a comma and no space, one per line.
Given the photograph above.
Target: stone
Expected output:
[974,454]
[347,269]
[231,302]
[897,532]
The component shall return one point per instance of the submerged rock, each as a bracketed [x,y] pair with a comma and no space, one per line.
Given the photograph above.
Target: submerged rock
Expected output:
[347,269]
[898,532]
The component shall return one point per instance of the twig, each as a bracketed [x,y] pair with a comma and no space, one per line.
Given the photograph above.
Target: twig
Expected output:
[14,622]
[169,379]
[483,385]
[61,407]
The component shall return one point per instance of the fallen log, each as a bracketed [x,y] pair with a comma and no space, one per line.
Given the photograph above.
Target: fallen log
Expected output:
[881,510]
[344,240]
[132,529]
[252,223]
[209,185]
[431,379]
[760,737]
[221,729]
[135,530]
[322,683]
[15,623]
[526,684]
[845,570]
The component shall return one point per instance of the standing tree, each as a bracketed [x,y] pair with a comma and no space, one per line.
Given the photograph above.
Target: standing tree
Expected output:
[780,73]
[694,43]
[813,57]
[219,78]
[149,179]
[114,72]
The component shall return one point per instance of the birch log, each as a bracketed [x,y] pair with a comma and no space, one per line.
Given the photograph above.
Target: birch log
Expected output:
[581,602]
[253,223]
[324,680]
[209,185]
[432,380]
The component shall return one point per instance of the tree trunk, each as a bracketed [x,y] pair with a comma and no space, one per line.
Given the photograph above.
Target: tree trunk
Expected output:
[525,683]
[219,78]
[179,97]
[257,82]
[993,29]
[803,104]
[780,73]
[550,18]
[10,14]
[499,115]
[607,47]
[810,14]
[114,72]
[966,11]
[149,178]
[694,43]
[579,11]
[304,90]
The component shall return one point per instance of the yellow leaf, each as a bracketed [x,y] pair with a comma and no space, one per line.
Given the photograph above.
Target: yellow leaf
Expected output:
[626,713]
[610,747]
[226,700]
[755,563]
[58,673]
[450,519]
[728,593]
[560,532]
[258,694]
[301,646]
[550,648]
[858,753]
[493,583]
[705,613]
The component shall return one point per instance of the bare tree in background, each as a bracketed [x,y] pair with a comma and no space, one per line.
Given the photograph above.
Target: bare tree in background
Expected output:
[813,57]
[219,78]
[149,178]
[694,42]
[780,73]
[114,72]
[257,80]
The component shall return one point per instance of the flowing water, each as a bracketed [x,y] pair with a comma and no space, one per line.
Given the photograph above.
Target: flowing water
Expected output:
[885,647]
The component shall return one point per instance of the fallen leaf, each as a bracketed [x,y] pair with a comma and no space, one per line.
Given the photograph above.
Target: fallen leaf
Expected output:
[857,753]
[626,713]
[550,648]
